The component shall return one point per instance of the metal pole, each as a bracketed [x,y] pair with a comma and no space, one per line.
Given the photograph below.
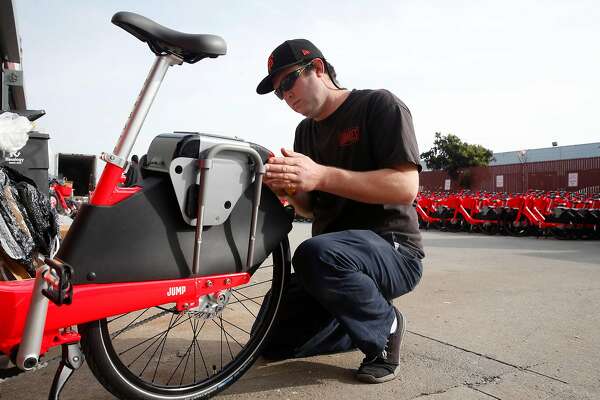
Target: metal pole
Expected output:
[204,165]
[143,103]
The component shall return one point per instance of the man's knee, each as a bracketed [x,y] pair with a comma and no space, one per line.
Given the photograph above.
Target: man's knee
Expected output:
[315,259]
[307,256]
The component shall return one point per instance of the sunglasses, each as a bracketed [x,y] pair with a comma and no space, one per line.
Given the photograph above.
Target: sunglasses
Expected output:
[289,80]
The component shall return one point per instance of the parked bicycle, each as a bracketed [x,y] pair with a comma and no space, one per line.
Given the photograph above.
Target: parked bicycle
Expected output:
[560,214]
[168,289]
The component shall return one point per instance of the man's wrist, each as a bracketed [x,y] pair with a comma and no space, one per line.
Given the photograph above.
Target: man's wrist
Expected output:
[325,178]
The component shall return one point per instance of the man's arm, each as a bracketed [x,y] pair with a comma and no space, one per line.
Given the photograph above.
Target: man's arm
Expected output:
[398,185]
[295,171]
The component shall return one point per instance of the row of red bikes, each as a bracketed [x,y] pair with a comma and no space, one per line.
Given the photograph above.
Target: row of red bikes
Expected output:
[565,215]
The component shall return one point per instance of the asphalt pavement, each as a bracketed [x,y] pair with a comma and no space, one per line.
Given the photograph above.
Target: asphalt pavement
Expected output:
[493,318]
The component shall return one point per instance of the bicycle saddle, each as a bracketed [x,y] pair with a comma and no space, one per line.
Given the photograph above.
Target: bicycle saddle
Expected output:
[161,40]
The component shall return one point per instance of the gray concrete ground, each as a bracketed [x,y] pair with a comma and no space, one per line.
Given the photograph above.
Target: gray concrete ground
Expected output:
[493,318]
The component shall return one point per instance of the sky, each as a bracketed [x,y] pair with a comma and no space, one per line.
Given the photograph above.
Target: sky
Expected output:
[508,75]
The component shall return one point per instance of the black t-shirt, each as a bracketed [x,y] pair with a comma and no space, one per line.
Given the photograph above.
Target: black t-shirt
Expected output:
[370,130]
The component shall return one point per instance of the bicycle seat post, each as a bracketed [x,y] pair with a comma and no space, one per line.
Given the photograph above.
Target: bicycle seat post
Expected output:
[143,103]
[117,161]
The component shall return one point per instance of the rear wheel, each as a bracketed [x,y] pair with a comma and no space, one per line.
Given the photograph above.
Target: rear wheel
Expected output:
[518,228]
[454,224]
[159,353]
[489,228]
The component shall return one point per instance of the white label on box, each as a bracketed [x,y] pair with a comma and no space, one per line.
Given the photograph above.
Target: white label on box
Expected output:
[14,158]
[572,179]
[499,181]
[447,184]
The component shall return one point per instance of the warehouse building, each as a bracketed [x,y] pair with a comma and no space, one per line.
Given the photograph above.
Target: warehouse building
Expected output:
[556,168]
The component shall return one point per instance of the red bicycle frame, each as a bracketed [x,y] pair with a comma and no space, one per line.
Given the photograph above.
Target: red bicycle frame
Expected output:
[31,324]
[97,301]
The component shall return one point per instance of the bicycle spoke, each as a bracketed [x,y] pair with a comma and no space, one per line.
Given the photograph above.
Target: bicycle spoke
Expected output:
[247,298]
[178,364]
[188,353]
[159,340]
[221,343]
[116,318]
[128,325]
[194,347]
[150,338]
[163,348]
[156,338]
[247,309]
[187,360]
[231,336]
[235,326]
[254,284]
[226,340]
[200,350]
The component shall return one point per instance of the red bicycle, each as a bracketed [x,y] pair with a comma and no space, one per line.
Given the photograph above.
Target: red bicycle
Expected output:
[563,215]
[168,289]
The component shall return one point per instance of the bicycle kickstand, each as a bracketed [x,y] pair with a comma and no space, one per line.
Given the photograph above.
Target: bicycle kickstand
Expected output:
[72,359]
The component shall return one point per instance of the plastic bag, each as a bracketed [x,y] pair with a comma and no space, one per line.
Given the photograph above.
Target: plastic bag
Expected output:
[13,131]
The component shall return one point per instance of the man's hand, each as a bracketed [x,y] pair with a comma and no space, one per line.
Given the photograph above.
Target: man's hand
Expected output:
[294,172]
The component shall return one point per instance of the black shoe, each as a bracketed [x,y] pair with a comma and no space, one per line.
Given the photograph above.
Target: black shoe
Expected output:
[384,367]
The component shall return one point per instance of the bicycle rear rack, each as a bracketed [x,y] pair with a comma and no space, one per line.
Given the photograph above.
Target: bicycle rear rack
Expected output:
[205,165]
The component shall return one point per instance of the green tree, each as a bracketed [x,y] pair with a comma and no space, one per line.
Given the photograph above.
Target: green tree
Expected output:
[450,154]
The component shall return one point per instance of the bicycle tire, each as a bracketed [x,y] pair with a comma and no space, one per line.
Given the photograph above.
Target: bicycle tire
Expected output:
[521,230]
[489,229]
[109,367]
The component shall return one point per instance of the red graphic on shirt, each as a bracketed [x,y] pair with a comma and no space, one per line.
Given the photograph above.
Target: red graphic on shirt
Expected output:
[270,62]
[305,52]
[349,136]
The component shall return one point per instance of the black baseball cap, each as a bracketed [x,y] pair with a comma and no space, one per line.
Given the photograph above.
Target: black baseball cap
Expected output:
[288,53]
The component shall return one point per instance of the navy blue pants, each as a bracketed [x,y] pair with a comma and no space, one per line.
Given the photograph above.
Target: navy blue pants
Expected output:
[346,283]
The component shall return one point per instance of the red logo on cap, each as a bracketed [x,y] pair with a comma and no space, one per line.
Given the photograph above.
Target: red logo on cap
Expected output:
[305,52]
[270,62]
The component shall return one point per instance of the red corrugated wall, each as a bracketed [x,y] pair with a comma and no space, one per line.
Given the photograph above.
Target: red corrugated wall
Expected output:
[582,174]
